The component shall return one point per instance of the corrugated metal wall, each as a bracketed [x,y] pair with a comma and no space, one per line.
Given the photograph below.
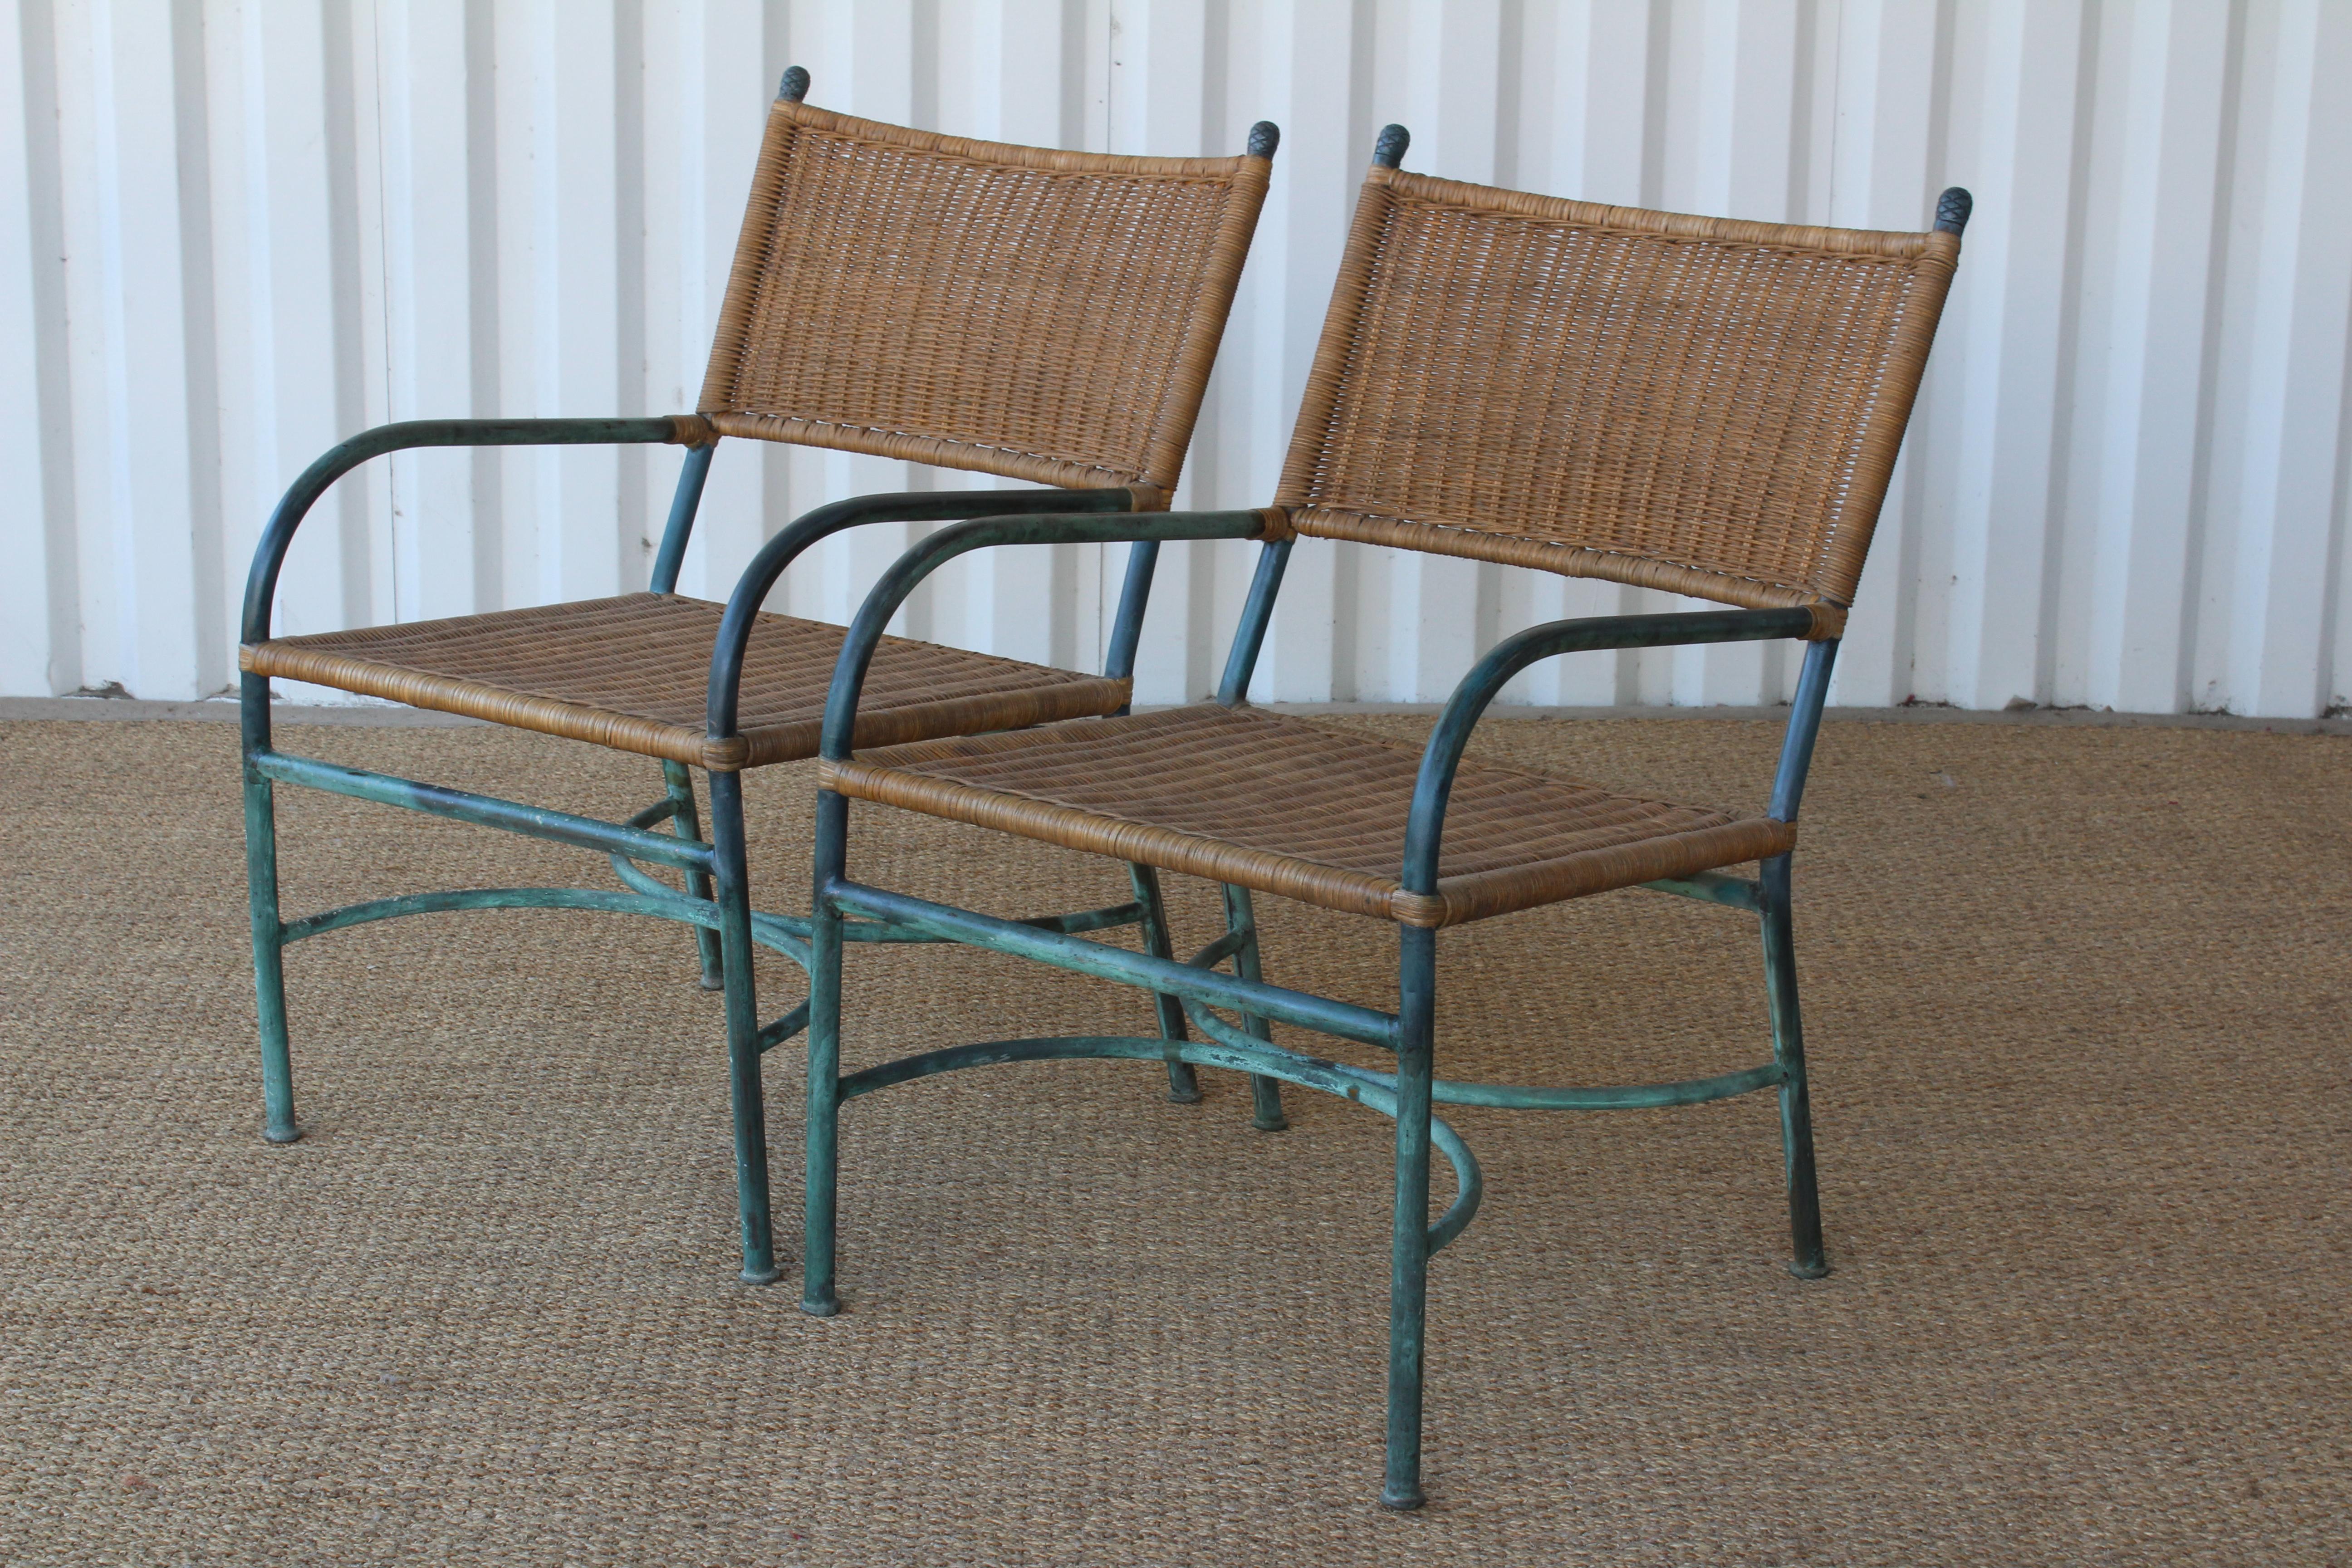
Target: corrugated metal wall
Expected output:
[232,232]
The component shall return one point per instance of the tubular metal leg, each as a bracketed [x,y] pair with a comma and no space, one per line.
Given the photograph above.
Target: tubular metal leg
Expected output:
[742,1029]
[818,1298]
[1265,1093]
[1184,1084]
[680,779]
[268,960]
[1809,1260]
[1409,1257]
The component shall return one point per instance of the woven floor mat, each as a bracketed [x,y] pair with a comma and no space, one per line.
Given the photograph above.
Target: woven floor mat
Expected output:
[2079,1004]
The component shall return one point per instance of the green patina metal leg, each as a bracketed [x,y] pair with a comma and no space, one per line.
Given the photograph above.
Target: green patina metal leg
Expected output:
[742,1029]
[1265,1093]
[687,825]
[268,959]
[1184,1084]
[1810,1261]
[818,1297]
[1409,1257]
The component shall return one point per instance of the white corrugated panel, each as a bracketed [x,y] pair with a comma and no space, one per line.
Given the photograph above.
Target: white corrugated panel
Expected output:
[233,232]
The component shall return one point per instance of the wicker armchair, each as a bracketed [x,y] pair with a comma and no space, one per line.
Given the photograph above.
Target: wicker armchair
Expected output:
[1686,402]
[1041,315]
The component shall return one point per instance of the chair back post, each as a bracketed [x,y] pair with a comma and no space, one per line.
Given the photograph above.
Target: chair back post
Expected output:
[1388,153]
[1143,556]
[1135,591]
[1249,637]
[684,503]
[1257,611]
[1952,210]
[1804,727]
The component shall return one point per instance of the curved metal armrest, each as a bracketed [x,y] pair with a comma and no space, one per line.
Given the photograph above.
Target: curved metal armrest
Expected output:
[1443,756]
[269,555]
[911,506]
[910,569]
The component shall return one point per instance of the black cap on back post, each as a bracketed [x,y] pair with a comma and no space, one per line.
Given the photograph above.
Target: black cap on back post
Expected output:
[1952,209]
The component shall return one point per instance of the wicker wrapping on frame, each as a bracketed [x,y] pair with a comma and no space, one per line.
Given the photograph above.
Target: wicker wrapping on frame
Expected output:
[1270,803]
[630,673]
[1048,316]
[1684,403]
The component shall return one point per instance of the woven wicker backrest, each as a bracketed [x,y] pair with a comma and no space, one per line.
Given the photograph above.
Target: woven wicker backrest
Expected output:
[1047,316]
[1682,402]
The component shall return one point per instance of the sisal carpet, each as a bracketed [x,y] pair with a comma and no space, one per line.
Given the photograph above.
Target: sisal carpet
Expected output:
[2079,1008]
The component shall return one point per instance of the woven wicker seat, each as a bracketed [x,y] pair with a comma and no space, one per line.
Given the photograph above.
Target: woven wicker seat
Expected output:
[630,673]
[1273,803]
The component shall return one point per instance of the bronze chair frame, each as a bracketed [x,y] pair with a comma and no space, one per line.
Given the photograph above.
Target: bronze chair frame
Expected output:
[713,896]
[1193,991]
